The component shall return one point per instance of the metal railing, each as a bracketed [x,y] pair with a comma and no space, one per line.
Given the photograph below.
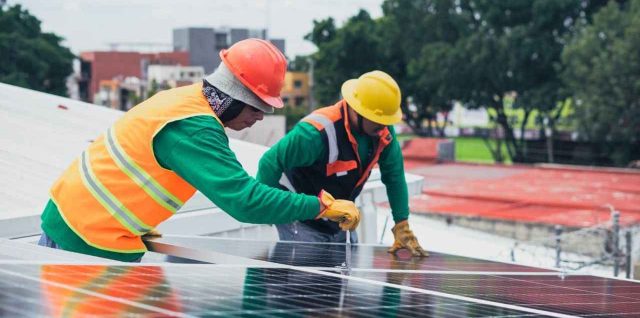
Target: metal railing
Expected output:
[574,250]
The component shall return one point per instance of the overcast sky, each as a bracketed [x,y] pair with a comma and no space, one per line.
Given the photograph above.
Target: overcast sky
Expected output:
[91,24]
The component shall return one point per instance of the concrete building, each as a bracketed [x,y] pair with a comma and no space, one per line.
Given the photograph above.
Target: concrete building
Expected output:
[100,66]
[200,43]
[170,76]
[120,93]
[296,89]
[203,44]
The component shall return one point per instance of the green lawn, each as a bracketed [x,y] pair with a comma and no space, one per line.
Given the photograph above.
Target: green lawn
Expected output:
[468,149]
[474,149]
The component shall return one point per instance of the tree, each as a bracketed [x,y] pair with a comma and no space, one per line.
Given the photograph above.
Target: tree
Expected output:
[514,48]
[299,64]
[420,35]
[344,53]
[603,73]
[29,57]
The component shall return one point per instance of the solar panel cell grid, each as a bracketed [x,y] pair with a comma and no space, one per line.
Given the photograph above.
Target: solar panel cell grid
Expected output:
[574,295]
[199,290]
[333,255]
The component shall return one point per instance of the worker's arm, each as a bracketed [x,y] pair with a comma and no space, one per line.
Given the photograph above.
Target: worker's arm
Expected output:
[300,147]
[197,149]
[392,175]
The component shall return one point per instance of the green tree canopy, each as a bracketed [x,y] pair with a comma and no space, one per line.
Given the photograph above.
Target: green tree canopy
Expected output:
[504,56]
[603,73]
[29,57]
[344,53]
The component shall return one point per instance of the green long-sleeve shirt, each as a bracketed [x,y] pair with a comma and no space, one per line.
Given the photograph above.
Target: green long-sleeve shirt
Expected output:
[197,149]
[303,146]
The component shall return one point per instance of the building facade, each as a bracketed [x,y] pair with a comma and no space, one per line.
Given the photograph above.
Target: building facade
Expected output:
[203,44]
[171,76]
[296,89]
[107,65]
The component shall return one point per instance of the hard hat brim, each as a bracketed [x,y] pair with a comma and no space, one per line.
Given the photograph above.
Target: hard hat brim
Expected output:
[349,94]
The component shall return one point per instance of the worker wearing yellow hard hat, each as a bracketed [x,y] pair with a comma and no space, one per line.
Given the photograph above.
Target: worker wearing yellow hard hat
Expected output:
[335,148]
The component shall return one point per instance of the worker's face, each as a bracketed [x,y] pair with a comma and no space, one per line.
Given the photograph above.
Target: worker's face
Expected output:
[370,128]
[248,116]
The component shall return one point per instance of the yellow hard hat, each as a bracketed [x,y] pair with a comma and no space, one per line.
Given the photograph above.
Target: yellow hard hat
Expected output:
[375,96]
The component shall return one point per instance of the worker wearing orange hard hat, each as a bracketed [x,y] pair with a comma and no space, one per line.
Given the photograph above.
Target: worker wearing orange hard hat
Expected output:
[154,158]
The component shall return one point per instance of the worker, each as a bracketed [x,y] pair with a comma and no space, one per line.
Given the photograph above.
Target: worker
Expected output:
[334,148]
[152,160]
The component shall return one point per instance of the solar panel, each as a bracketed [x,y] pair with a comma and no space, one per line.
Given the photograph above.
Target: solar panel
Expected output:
[275,279]
[323,255]
[212,290]
[567,294]
[550,292]
[11,251]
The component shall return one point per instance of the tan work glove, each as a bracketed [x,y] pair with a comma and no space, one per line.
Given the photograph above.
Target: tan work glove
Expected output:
[404,238]
[344,212]
[151,234]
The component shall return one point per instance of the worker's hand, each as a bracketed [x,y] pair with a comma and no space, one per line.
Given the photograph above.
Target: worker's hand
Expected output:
[151,234]
[344,212]
[404,238]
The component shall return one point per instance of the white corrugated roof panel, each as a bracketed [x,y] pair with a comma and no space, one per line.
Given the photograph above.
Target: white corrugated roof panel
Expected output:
[40,134]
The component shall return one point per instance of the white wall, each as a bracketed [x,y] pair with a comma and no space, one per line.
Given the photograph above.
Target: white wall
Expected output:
[266,132]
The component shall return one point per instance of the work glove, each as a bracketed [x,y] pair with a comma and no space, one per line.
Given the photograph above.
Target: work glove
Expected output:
[404,238]
[151,234]
[344,212]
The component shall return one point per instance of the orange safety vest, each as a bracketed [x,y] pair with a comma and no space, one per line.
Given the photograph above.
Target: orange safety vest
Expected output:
[342,173]
[116,190]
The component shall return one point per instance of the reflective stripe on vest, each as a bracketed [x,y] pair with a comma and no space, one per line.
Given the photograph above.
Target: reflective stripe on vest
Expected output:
[327,124]
[141,177]
[117,191]
[108,200]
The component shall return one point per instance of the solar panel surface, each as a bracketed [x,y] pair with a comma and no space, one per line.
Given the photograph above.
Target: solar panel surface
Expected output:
[525,287]
[275,279]
[573,294]
[212,290]
[333,255]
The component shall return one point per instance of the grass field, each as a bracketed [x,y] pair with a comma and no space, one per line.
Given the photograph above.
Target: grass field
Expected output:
[469,149]
[474,149]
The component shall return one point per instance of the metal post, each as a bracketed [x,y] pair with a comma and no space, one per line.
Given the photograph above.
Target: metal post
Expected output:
[627,237]
[384,229]
[367,230]
[558,231]
[615,216]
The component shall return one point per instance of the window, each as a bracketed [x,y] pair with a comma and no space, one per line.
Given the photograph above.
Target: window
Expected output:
[297,83]
[299,101]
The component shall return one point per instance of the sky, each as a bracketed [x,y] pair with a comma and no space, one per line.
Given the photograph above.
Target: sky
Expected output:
[90,25]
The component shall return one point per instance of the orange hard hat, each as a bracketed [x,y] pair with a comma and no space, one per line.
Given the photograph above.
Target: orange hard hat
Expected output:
[260,66]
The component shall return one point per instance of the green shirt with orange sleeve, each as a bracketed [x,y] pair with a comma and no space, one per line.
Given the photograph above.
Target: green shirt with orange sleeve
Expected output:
[197,149]
[303,146]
